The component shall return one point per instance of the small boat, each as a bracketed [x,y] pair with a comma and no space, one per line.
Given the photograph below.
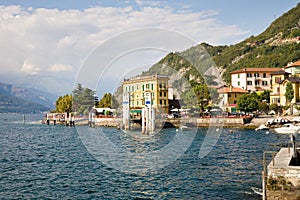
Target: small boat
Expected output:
[257,190]
[184,128]
[287,129]
[262,127]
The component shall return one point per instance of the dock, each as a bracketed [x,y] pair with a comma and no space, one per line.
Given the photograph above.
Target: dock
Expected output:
[283,177]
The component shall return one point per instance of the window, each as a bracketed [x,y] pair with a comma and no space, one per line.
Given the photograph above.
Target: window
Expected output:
[249,75]
[229,95]
[152,86]
[249,82]
[264,82]
[239,83]
[160,102]
[160,94]
[264,75]
[256,83]
[165,94]
[256,75]
[277,79]
[143,87]
[238,75]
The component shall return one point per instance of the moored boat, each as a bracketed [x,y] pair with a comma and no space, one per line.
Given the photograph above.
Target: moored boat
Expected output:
[287,129]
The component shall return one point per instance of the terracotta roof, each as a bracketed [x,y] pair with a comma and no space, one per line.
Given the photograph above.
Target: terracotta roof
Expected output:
[280,72]
[245,70]
[293,64]
[231,90]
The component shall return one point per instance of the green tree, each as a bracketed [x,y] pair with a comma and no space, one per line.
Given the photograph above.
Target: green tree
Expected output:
[199,95]
[289,92]
[105,101]
[83,99]
[248,102]
[274,107]
[64,104]
[289,95]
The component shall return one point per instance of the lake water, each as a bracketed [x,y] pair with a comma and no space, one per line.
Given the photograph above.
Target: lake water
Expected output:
[52,162]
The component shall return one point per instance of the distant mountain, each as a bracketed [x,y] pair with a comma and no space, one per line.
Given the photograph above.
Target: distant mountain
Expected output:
[278,45]
[24,100]
[11,104]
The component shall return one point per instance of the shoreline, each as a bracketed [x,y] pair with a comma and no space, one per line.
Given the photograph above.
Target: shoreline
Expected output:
[238,122]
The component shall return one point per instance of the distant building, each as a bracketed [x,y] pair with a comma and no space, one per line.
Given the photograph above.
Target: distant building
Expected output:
[156,84]
[229,97]
[293,68]
[253,79]
[291,73]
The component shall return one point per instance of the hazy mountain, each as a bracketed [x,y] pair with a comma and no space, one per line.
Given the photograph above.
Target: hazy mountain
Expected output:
[24,100]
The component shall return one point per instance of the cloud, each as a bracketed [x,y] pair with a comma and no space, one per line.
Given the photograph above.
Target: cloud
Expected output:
[60,68]
[33,39]
[29,68]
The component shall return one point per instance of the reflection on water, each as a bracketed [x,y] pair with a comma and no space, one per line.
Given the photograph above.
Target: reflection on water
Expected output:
[39,161]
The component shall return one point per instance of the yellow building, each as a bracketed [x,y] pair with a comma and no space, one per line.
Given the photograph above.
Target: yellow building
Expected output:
[229,97]
[278,89]
[291,73]
[138,86]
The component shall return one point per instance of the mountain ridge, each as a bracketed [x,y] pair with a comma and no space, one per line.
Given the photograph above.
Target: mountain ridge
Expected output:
[278,45]
[24,100]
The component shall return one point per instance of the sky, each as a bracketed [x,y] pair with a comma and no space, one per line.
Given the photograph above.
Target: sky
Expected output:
[52,45]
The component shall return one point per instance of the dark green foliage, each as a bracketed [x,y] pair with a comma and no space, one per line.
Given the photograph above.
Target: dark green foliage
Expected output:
[64,104]
[248,102]
[199,95]
[274,107]
[289,92]
[107,101]
[258,51]
[83,100]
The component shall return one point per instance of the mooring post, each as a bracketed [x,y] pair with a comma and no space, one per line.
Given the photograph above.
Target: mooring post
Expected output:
[47,118]
[54,119]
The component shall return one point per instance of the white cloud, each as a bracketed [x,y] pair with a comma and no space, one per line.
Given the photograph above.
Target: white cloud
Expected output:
[46,37]
[60,68]
[29,68]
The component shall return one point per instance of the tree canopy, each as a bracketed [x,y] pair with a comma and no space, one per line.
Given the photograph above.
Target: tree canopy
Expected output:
[64,104]
[248,102]
[83,99]
[289,92]
[107,101]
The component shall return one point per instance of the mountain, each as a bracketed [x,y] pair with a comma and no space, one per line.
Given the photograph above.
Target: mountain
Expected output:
[11,104]
[24,100]
[278,45]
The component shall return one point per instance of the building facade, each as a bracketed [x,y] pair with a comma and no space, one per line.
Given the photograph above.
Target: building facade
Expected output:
[291,73]
[253,79]
[157,85]
[229,96]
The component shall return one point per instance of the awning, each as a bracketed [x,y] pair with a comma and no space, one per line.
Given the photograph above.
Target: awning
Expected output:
[136,111]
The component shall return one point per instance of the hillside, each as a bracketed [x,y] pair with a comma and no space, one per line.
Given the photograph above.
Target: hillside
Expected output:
[44,98]
[11,104]
[278,45]
[23,100]
[275,47]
